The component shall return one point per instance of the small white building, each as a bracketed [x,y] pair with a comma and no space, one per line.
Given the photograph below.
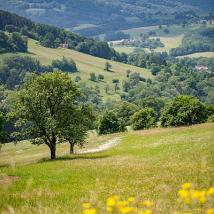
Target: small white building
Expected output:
[201,68]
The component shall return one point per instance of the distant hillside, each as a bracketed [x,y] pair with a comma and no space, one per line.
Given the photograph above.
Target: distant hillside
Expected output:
[53,37]
[86,65]
[93,17]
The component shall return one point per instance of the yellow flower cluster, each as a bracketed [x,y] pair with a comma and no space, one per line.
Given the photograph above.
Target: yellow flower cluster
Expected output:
[193,196]
[189,195]
[115,205]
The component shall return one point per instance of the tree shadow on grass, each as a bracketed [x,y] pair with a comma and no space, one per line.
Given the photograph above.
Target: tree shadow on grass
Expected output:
[4,165]
[76,157]
[31,53]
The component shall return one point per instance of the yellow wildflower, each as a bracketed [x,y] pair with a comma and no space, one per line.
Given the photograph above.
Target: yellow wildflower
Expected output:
[202,198]
[186,185]
[210,211]
[131,199]
[111,202]
[86,205]
[125,210]
[183,193]
[199,195]
[195,194]
[147,211]
[148,203]
[210,191]
[122,203]
[89,211]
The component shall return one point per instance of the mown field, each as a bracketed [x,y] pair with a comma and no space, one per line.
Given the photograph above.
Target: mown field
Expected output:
[149,164]
[202,54]
[170,40]
[86,64]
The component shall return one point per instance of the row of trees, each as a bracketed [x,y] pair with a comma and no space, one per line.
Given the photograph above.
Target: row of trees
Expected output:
[48,110]
[182,110]
[12,43]
[16,70]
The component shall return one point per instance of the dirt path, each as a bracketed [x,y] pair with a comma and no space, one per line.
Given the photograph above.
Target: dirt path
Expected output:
[103,147]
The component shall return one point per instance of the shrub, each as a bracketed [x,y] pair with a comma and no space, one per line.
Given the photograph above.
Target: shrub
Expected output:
[100,77]
[77,79]
[125,110]
[65,65]
[143,119]
[110,123]
[108,66]
[93,77]
[183,110]
[115,81]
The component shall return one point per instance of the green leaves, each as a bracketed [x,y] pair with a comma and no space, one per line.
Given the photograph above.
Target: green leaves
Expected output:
[144,119]
[45,108]
[110,123]
[183,110]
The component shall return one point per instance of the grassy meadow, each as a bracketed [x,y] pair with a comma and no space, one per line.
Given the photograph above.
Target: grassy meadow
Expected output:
[169,42]
[202,54]
[86,64]
[150,164]
[173,39]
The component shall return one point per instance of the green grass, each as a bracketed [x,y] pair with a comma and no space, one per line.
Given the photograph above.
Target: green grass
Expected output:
[201,54]
[86,64]
[169,42]
[124,49]
[148,164]
[135,32]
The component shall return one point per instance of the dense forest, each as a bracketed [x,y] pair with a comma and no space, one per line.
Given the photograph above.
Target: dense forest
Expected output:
[100,16]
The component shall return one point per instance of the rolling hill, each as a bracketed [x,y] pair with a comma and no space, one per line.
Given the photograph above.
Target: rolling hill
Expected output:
[86,64]
[93,17]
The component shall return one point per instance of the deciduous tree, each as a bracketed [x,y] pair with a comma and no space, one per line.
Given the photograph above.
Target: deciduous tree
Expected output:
[43,106]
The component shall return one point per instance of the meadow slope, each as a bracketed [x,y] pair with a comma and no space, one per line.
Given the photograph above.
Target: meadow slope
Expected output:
[86,64]
[149,164]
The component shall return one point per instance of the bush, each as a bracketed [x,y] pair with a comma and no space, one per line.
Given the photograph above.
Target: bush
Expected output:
[93,77]
[77,79]
[183,110]
[115,81]
[109,123]
[125,110]
[12,43]
[100,77]
[143,119]
[65,65]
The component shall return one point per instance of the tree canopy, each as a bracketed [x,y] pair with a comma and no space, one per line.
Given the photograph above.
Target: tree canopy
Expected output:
[110,123]
[43,106]
[143,119]
[183,110]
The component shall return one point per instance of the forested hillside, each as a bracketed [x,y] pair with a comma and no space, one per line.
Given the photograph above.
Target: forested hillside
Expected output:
[93,17]
[53,37]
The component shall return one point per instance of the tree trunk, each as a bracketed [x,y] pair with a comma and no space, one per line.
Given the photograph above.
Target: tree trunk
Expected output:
[53,149]
[71,148]
[53,152]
